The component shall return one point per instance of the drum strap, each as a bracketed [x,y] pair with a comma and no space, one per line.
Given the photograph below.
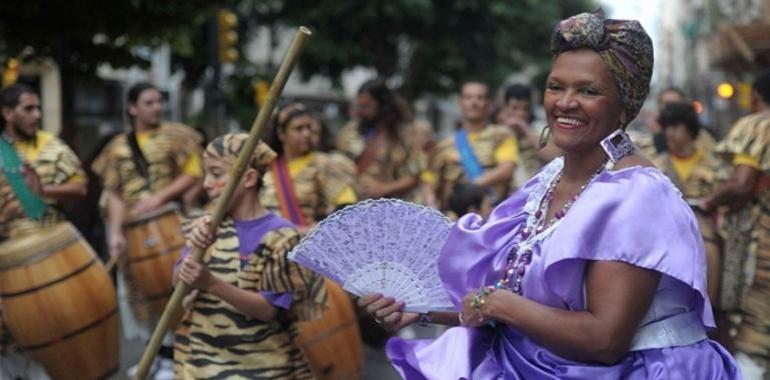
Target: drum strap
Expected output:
[140,162]
[12,168]
[285,192]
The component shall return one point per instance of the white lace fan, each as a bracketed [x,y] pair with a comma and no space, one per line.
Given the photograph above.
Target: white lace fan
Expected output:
[382,246]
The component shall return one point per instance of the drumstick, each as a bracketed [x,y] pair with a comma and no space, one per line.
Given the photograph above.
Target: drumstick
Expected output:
[111,263]
[234,177]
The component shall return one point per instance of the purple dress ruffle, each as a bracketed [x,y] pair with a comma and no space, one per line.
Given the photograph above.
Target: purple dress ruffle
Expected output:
[634,215]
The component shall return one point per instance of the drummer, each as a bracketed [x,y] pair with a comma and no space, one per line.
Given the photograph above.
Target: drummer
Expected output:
[37,169]
[37,172]
[246,302]
[151,165]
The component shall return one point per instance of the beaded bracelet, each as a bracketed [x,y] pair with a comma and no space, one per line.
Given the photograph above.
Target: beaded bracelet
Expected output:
[479,298]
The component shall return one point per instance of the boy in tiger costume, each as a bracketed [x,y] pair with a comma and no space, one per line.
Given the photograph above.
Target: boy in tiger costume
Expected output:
[242,315]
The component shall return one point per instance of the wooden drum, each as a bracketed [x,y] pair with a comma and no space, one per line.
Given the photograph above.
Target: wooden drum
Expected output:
[332,344]
[154,243]
[59,304]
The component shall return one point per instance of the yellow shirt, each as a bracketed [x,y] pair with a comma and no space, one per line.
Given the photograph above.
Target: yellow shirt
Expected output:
[684,166]
[745,159]
[508,151]
[347,196]
[191,166]
[29,150]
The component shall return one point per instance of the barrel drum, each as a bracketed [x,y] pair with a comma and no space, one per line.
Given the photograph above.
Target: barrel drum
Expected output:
[332,344]
[154,243]
[59,303]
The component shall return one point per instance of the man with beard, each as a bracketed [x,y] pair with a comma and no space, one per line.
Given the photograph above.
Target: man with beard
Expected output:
[478,153]
[37,172]
[388,163]
[150,166]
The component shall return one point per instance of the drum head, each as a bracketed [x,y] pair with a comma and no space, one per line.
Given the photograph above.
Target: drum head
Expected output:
[137,219]
[37,245]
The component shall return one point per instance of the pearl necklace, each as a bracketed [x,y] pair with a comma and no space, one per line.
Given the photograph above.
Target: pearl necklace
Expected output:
[520,255]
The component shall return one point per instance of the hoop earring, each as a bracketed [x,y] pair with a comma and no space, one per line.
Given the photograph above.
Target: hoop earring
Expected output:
[545,134]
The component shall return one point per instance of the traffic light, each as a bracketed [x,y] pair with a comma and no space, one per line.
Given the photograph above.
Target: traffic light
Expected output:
[11,72]
[725,90]
[227,21]
[260,92]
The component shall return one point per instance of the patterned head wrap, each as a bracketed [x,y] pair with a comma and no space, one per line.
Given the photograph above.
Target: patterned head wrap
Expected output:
[623,45]
[227,147]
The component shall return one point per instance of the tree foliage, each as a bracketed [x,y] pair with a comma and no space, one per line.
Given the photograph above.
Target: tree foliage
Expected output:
[430,45]
[82,34]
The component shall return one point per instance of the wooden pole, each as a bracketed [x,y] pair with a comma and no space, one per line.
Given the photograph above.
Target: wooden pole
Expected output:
[241,163]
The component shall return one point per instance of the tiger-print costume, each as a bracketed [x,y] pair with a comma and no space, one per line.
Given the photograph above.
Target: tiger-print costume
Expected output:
[316,186]
[166,150]
[528,163]
[750,136]
[215,341]
[55,164]
[393,160]
[448,171]
[168,147]
[707,173]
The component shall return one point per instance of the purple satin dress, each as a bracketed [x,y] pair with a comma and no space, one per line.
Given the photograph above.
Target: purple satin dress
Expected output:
[634,215]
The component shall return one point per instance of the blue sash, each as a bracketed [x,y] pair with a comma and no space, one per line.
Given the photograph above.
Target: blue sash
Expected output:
[468,160]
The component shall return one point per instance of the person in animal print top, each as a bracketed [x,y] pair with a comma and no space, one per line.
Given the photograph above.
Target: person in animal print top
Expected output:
[38,172]
[241,318]
[304,185]
[49,170]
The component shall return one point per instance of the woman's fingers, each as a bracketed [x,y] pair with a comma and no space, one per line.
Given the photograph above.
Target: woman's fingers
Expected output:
[379,304]
[367,299]
[388,310]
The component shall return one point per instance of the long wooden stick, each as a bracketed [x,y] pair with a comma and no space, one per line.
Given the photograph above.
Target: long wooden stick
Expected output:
[241,163]
[110,264]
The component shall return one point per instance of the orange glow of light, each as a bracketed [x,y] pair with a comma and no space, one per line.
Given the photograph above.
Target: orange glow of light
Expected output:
[698,106]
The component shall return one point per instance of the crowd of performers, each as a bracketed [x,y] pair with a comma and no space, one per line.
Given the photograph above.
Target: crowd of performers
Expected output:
[249,302]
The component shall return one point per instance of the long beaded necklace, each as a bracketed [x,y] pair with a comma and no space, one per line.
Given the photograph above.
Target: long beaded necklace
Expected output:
[520,255]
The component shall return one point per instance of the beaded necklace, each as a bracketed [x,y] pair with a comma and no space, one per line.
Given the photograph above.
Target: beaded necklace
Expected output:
[520,255]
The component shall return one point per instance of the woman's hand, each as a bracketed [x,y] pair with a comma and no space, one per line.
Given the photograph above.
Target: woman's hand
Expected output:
[201,234]
[470,316]
[387,312]
[195,274]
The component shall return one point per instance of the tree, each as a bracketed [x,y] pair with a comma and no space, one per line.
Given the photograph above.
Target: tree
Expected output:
[82,34]
[429,45]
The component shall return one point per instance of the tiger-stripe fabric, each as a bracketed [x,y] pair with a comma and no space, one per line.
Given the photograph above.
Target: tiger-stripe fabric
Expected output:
[316,187]
[167,149]
[55,164]
[750,136]
[216,341]
[448,171]
[395,159]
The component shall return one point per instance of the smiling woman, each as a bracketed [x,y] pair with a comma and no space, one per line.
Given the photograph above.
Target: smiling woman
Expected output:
[595,267]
